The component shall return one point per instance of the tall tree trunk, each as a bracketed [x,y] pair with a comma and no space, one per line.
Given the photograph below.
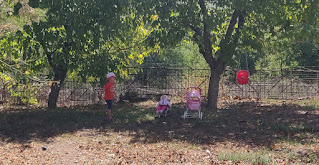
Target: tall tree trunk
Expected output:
[54,95]
[56,87]
[215,75]
[58,80]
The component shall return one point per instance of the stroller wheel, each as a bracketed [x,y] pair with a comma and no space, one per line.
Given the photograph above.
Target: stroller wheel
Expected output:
[185,115]
[201,115]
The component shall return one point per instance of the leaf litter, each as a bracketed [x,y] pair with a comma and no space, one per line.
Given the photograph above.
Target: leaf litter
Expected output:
[241,133]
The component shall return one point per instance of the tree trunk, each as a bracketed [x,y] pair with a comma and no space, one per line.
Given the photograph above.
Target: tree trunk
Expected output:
[56,87]
[54,95]
[215,75]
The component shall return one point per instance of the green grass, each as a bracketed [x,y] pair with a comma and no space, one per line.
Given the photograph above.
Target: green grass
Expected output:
[306,104]
[259,157]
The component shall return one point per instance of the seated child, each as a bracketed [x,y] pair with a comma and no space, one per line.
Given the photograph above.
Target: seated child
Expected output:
[162,105]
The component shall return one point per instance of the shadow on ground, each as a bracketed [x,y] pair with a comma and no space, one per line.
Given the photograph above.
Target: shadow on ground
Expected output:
[249,123]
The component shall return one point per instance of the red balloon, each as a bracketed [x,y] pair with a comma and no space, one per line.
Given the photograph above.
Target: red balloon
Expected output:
[242,77]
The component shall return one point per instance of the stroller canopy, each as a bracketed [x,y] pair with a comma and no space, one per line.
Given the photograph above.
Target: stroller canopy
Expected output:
[192,94]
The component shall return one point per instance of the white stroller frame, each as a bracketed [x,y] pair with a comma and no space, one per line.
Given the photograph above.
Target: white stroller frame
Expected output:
[193,112]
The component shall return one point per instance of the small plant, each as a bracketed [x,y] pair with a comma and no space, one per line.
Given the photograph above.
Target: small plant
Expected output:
[25,94]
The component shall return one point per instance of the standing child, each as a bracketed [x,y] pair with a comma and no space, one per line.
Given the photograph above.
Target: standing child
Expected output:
[109,93]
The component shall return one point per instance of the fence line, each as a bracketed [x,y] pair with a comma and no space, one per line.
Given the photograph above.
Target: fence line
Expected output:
[282,84]
[151,82]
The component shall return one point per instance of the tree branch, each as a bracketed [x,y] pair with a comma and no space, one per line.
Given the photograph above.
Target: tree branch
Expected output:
[241,22]
[231,25]
[60,73]
[208,50]
[19,71]
[195,29]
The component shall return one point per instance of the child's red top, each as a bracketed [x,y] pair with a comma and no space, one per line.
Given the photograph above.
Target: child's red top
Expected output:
[109,91]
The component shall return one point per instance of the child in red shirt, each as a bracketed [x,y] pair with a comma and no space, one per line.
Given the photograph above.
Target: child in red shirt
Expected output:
[109,93]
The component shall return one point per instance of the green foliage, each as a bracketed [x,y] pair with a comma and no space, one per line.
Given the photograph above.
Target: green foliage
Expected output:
[89,38]
[184,55]
[263,20]
[307,54]
[224,30]
[292,42]
[277,54]
[172,68]
[13,66]
[15,70]
[26,94]
[16,8]
[15,14]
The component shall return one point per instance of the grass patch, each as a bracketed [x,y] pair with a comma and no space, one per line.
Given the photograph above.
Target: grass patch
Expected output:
[259,157]
[305,104]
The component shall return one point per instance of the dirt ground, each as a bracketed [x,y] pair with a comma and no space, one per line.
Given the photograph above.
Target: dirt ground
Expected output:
[239,132]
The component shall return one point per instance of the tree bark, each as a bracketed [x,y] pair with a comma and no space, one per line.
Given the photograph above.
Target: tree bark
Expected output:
[215,75]
[55,88]
[58,80]
[54,95]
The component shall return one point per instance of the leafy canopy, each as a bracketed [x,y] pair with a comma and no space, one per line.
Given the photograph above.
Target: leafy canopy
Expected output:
[89,38]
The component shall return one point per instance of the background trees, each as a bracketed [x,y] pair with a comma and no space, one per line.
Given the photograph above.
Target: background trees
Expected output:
[13,16]
[225,29]
[87,39]
[13,68]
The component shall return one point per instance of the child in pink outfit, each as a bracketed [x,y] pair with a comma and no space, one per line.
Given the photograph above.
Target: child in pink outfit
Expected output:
[162,105]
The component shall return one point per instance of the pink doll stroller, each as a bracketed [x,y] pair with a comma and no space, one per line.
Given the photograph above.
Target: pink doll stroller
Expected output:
[163,106]
[193,103]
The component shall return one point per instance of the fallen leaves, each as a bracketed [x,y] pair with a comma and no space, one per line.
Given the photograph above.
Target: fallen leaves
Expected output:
[227,136]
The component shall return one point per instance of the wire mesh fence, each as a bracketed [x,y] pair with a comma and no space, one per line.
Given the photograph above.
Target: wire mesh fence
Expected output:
[151,82]
[274,84]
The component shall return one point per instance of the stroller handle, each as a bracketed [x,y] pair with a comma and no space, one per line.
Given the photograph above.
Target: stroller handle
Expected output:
[196,88]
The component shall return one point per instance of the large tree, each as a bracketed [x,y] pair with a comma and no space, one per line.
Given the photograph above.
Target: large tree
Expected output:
[90,38]
[223,29]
